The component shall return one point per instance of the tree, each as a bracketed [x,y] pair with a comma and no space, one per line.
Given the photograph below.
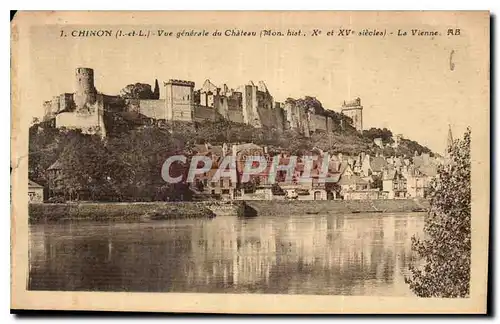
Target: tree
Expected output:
[86,168]
[373,133]
[156,91]
[445,250]
[137,91]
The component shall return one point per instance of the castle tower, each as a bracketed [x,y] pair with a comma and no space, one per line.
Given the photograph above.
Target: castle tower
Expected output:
[249,103]
[354,110]
[179,101]
[85,92]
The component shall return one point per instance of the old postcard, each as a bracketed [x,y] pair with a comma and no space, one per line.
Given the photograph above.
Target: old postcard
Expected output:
[250,162]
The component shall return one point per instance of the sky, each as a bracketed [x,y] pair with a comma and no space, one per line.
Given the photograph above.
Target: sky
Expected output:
[405,84]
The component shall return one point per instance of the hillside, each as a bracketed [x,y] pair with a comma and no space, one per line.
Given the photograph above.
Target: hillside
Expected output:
[127,164]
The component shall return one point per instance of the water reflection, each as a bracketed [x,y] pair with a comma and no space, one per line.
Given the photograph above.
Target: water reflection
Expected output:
[359,254]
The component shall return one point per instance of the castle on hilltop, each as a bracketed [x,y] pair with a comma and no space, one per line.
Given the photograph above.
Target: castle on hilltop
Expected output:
[249,104]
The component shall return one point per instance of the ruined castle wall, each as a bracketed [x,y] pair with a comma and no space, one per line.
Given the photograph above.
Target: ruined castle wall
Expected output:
[235,101]
[221,104]
[152,108]
[202,113]
[279,115]
[47,107]
[267,117]
[272,118]
[66,102]
[318,122]
[264,100]
[55,104]
[236,116]
[90,122]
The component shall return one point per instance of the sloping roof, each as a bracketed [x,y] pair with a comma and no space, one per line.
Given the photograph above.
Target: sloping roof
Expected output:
[200,148]
[334,166]
[390,174]
[216,150]
[248,146]
[354,179]
[378,163]
[209,86]
[262,86]
[418,161]
[32,184]
[429,170]
[343,167]
[56,166]
[334,177]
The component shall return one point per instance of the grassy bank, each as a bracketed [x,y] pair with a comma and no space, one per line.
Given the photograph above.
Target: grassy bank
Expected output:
[39,213]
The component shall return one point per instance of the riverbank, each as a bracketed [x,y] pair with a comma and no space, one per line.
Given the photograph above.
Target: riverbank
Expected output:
[41,213]
[277,208]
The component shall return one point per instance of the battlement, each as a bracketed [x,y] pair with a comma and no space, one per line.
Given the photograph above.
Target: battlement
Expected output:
[352,103]
[179,83]
[84,70]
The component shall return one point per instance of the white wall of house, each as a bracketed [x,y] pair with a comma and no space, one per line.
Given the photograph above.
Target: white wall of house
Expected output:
[35,195]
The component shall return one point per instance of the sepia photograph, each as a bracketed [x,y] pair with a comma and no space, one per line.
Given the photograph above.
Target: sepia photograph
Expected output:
[251,162]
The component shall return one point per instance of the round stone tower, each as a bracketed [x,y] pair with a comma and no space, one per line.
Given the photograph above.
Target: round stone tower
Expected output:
[85,92]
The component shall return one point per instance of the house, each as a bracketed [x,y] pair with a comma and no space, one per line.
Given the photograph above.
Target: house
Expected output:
[35,192]
[377,165]
[346,170]
[54,175]
[350,185]
[419,180]
[394,184]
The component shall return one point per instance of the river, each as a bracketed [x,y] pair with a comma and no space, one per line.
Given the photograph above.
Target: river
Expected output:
[354,254]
